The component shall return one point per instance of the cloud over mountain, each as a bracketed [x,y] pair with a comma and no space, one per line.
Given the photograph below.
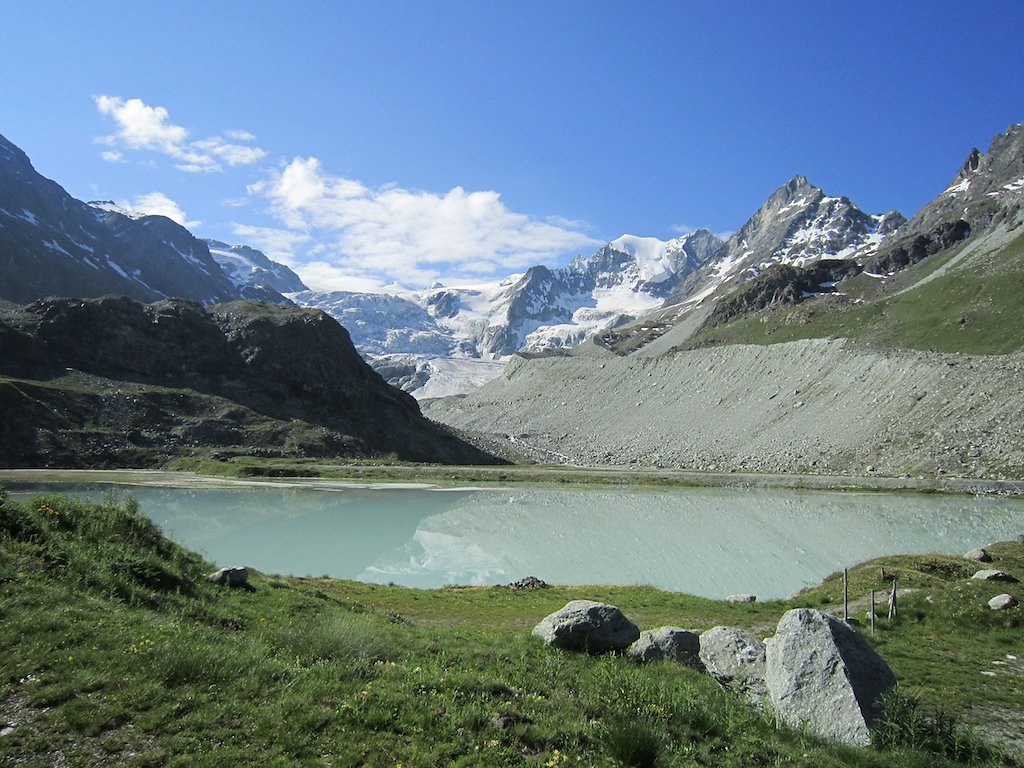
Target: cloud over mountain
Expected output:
[412,237]
[142,127]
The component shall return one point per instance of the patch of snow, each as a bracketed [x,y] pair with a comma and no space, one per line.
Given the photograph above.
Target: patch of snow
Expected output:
[457,376]
[30,217]
[53,245]
[955,189]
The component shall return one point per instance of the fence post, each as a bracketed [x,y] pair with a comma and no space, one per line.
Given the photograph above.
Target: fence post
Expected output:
[872,611]
[892,601]
[846,594]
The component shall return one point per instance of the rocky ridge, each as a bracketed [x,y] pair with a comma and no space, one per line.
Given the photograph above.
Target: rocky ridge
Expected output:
[56,245]
[113,381]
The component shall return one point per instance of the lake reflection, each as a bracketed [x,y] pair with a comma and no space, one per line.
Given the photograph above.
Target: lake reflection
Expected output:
[706,541]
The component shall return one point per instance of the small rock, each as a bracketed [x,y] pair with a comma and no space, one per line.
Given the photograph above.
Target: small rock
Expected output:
[1020,539]
[583,625]
[980,554]
[1002,602]
[741,599]
[991,574]
[529,582]
[235,576]
[667,643]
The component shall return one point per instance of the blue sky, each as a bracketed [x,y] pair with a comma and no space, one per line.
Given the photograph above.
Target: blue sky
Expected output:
[384,143]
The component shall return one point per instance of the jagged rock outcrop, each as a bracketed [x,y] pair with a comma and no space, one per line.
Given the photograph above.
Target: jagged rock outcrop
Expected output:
[798,225]
[174,376]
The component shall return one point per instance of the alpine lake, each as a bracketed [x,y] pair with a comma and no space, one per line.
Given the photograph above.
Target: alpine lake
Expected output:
[705,541]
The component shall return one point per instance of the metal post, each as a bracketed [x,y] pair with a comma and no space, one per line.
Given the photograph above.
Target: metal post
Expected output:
[846,594]
[892,601]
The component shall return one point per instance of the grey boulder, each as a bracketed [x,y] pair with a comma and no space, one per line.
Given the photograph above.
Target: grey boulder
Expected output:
[980,555]
[235,576]
[583,625]
[1002,602]
[735,658]
[991,574]
[824,677]
[667,643]
[741,599]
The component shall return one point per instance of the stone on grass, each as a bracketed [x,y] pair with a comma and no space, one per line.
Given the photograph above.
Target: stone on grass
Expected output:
[667,644]
[980,554]
[991,574]
[741,599]
[824,677]
[1002,602]
[583,625]
[235,576]
[735,658]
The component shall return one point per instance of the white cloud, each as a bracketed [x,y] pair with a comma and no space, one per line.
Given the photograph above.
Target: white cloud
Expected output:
[411,237]
[145,128]
[112,157]
[159,204]
[279,244]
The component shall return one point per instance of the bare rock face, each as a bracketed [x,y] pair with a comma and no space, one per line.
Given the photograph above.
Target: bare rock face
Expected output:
[583,625]
[667,644]
[824,677]
[735,658]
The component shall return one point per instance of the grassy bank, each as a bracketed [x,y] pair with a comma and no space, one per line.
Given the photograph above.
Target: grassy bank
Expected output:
[115,650]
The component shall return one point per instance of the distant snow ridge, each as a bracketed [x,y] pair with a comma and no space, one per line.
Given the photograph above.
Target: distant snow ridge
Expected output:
[247,267]
[798,225]
[406,337]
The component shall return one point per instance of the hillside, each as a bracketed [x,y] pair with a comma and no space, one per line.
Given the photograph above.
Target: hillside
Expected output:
[116,650]
[113,381]
[905,359]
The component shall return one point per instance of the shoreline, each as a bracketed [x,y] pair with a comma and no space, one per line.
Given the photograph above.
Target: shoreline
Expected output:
[325,475]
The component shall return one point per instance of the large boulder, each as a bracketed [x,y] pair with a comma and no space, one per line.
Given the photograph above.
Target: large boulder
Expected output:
[735,658]
[234,576]
[583,625]
[667,643]
[824,677]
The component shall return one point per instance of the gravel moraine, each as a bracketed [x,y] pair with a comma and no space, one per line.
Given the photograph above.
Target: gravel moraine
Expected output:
[813,407]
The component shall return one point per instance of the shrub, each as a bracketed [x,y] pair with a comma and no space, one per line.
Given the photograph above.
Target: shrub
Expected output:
[634,743]
[905,724]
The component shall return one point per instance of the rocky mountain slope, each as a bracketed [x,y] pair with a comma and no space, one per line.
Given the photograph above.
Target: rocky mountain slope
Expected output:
[54,245]
[113,381]
[914,370]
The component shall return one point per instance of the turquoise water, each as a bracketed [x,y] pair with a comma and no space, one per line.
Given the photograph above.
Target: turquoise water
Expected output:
[706,541]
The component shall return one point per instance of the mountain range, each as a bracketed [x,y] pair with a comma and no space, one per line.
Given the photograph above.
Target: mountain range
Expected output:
[457,337]
[825,342]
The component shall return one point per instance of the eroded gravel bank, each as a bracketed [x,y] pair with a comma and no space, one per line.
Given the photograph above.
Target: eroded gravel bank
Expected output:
[817,407]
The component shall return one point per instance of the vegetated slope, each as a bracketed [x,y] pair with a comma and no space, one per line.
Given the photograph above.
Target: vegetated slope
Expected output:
[116,382]
[950,279]
[116,651]
[913,369]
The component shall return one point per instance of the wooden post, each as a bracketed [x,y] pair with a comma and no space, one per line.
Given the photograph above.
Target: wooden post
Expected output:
[892,601]
[872,611]
[846,594]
